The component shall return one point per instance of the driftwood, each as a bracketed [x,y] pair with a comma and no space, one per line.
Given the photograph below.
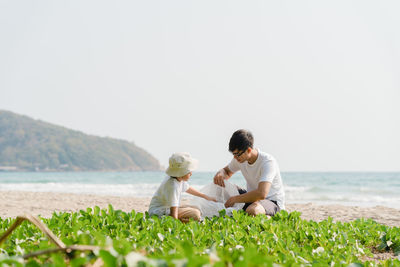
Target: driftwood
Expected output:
[52,237]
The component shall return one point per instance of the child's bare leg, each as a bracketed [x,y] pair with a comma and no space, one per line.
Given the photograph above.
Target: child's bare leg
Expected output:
[185,213]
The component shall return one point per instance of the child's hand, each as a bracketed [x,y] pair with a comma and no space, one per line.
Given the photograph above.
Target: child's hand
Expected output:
[211,199]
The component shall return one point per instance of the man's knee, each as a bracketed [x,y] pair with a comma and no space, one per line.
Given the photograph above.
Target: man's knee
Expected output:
[255,209]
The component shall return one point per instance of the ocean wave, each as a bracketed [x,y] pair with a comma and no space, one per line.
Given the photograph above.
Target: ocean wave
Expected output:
[353,199]
[293,189]
[136,190]
[294,194]
[380,191]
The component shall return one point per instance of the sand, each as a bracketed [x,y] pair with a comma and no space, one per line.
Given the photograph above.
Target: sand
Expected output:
[14,203]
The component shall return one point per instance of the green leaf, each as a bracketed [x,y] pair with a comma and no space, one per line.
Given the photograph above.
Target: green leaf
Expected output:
[58,260]
[96,211]
[108,259]
[122,246]
[77,262]
[110,209]
[31,263]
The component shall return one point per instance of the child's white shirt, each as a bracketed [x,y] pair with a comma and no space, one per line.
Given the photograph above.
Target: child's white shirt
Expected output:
[167,195]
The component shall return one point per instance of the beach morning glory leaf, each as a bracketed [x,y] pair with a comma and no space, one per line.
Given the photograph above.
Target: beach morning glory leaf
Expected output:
[160,236]
[318,250]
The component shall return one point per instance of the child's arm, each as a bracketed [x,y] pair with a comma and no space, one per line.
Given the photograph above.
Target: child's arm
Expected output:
[196,193]
[173,212]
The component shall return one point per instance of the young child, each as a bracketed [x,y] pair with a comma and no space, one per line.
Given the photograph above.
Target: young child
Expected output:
[166,200]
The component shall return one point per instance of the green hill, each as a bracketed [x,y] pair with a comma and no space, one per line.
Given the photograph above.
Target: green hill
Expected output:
[28,144]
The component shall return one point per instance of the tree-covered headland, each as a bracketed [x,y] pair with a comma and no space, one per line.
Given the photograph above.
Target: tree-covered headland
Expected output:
[27,144]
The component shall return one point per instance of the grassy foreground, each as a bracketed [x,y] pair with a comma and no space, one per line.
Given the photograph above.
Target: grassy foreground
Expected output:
[131,239]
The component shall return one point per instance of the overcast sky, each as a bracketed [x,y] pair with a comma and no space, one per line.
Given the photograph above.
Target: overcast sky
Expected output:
[317,82]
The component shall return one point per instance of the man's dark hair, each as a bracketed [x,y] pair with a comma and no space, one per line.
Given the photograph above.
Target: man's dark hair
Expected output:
[241,140]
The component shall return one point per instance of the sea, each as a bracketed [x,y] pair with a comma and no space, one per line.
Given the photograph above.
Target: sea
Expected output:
[346,188]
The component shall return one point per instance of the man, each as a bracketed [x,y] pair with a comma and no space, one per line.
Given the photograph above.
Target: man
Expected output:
[265,194]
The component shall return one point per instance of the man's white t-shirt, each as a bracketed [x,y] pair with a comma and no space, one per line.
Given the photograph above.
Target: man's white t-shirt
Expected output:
[167,195]
[264,169]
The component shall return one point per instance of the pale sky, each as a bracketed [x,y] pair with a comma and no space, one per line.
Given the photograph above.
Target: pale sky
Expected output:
[317,82]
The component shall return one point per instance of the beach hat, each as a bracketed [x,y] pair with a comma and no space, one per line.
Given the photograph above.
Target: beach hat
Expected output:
[181,164]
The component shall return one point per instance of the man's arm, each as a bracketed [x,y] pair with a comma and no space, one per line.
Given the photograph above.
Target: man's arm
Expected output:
[259,194]
[223,174]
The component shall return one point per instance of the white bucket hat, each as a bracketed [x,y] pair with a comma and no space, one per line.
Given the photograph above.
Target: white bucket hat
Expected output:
[181,164]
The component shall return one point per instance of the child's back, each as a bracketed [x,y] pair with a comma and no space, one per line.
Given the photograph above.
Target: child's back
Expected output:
[167,195]
[166,200]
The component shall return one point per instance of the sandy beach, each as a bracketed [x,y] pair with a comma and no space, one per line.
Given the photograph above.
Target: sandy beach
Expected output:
[44,204]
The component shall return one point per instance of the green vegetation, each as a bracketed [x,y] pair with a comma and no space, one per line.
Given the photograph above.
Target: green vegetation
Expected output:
[128,239]
[29,144]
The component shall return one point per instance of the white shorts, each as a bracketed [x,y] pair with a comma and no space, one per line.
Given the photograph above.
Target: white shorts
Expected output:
[159,211]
